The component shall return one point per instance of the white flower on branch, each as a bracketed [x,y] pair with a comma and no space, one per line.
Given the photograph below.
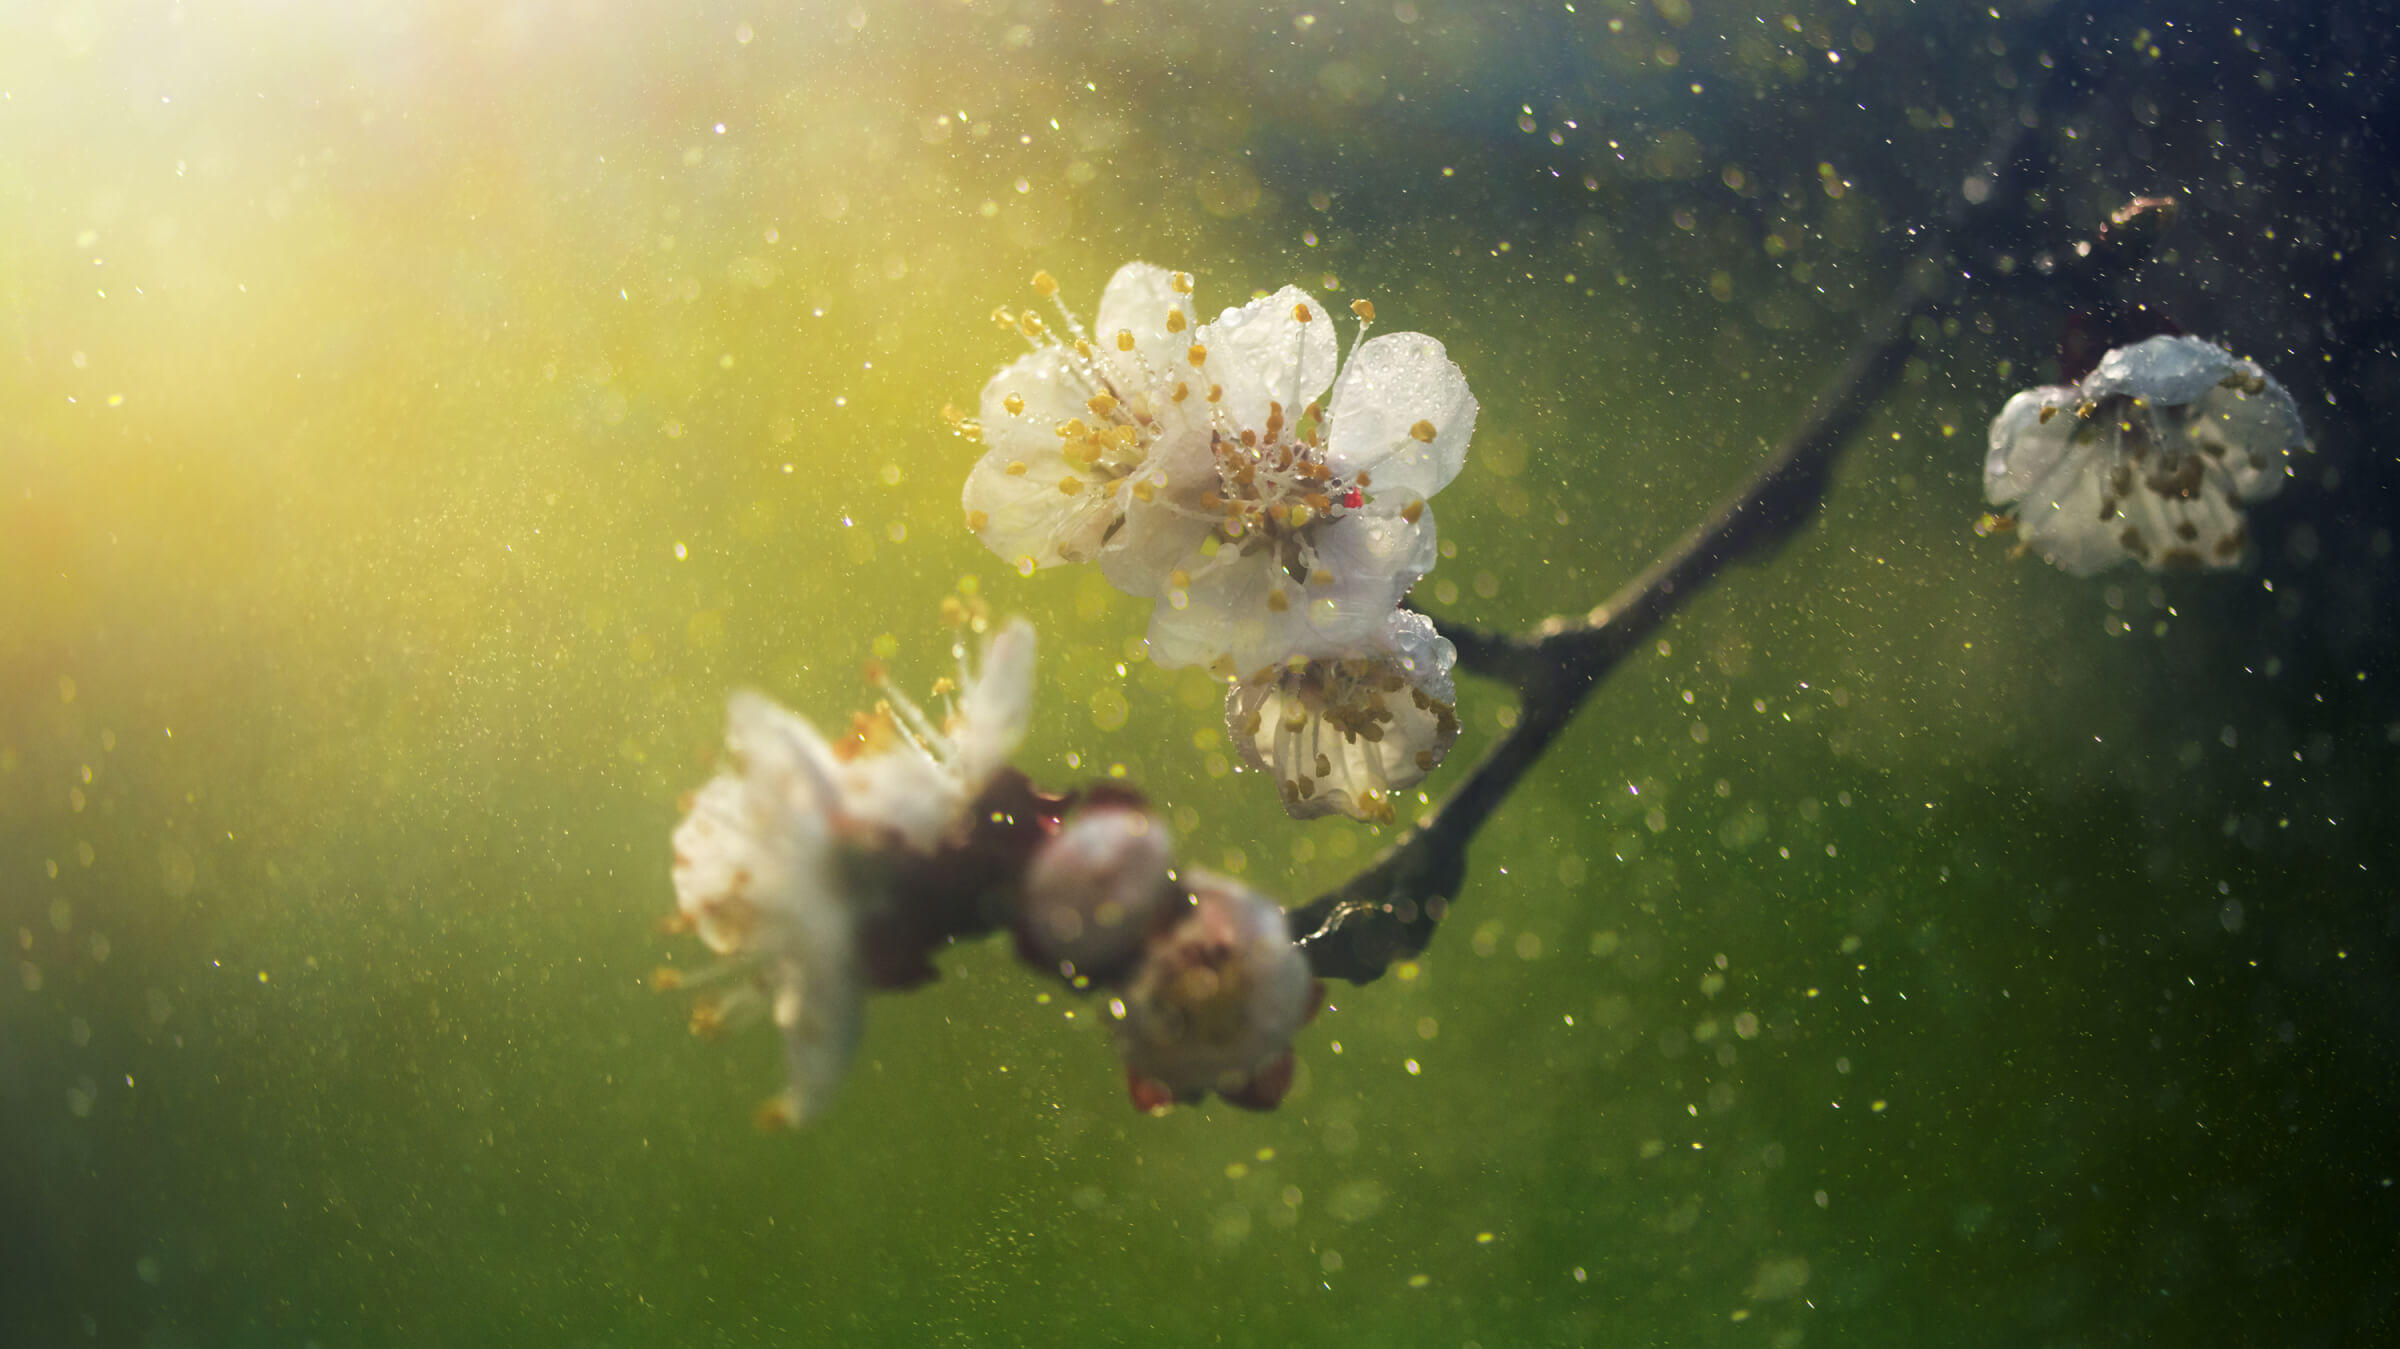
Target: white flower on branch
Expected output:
[1089,427]
[2153,457]
[1271,497]
[780,854]
[1315,522]
[1346,735]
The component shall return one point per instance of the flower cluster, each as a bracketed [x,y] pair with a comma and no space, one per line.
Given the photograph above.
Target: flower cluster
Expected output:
[2153,457]
[779,857]
[820,868]
[1267,495]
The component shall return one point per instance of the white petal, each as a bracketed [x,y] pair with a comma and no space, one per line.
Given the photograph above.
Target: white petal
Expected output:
[997,706]
[1229,609]
[2256,433]
[1156,539]
[1393,384]
[818,1006]
[2024,446]
[1027,520]
[2059,516]
[2172,370]
[1138,300]
[1261,353]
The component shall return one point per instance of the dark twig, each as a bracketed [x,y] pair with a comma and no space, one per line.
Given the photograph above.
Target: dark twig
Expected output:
[1388,911]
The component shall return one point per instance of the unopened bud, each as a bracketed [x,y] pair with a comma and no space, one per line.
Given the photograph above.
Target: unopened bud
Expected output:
[1095,890]
[1215,1002]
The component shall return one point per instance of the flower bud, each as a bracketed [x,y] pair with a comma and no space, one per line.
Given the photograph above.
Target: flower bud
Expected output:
[1215,1002]
[1095,890]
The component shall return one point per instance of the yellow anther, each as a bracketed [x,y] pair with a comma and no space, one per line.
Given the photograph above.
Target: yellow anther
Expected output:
[1423,431]
[976,520]
[1278,601]
[1182,281]
[1299,516]
[1179,579]
[1069,485]
[2049,412]
[1002,317]
[1015,403]
[1216,392]
[1083,348]
[1071,428]
[1300,313]
[1016,468]
[1198,355]
[776,1112]
[708,1020]
[1124,339]
[1144,489]
[1182,391]
[1412,510]
[1365,309]
[1319,502]
[1045,285]
[1174,320]
[1101,404]
[1030,324]
[666,979]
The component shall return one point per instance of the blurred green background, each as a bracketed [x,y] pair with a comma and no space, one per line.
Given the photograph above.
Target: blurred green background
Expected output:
[415,416]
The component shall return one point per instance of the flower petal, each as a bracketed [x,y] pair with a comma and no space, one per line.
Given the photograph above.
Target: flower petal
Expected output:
[1139,300]
[2025,446]
[1262,352]
[1396,389]
[998,704]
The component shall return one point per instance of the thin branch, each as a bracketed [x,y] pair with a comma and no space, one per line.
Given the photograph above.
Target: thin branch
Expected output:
[1389,910]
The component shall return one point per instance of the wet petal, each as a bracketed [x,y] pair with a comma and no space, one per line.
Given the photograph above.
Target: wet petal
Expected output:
[1401,411]
[1139,300]
[1262,353]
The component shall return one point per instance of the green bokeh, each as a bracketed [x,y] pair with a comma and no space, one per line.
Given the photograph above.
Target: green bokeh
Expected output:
[414,418]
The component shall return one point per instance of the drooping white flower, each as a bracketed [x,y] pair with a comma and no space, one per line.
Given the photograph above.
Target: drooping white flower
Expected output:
[1215,1002]
[2153,456]
[776,859]
[1313,523]
[1345,735]
[1087,427]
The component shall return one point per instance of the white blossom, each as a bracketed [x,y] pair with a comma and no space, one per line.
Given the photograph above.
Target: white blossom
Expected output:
[1314,522]
[2154,456]
[776,858]
[1089,426]
[1345,735]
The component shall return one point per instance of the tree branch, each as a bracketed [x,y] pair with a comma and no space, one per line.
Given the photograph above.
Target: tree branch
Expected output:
[1389,910]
